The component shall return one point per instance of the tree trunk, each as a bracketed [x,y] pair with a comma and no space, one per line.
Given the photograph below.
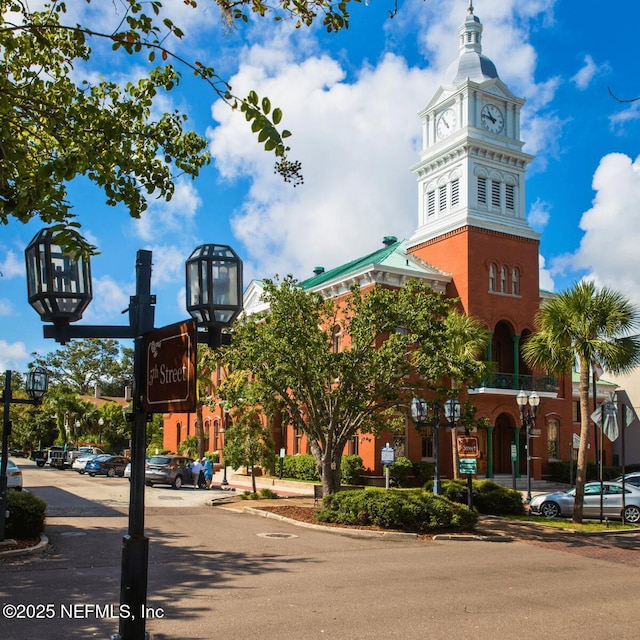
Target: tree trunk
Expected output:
[329,467]
[585,432]
[200,431]
[454,451]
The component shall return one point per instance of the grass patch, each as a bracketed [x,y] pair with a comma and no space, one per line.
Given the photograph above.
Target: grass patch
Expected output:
[564,523]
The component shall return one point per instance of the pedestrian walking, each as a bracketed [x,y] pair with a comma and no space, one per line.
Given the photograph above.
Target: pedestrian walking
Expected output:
[196,468]
[207,466]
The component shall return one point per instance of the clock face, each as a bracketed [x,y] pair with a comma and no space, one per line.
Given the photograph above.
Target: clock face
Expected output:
[446,123]
[492,118]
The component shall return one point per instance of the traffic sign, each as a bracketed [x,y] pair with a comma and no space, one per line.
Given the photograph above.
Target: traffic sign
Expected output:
[468,447]
[468,465]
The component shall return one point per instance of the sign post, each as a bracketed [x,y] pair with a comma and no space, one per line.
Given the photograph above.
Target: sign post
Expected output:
[387,457]
[468,454]
[514,458]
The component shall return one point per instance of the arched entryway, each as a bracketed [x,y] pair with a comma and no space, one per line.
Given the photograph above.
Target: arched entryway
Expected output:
[504,435]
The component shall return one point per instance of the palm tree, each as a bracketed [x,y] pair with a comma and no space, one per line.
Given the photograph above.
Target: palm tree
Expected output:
[467,340]
[587,325]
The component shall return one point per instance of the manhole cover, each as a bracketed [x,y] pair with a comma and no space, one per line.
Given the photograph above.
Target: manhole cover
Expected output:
[73,533]
[277,535]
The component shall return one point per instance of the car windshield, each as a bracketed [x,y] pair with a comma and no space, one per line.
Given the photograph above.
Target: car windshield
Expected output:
[11,464]
[102,458]
[160,460]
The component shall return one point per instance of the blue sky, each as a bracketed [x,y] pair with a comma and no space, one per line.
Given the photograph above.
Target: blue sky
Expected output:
[351,100]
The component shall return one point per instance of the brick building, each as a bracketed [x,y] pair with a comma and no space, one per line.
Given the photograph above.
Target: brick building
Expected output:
[473,241]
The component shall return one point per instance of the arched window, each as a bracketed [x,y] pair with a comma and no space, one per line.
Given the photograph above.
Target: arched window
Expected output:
[504,276]
[178,434]
[492,277]
[515,281]
[553,439]
[216,435]
[336,339]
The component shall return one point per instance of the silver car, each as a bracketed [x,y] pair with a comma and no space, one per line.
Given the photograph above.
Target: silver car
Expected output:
[553,505]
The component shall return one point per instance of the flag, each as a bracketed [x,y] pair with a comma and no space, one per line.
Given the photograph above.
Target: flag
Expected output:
[597,370]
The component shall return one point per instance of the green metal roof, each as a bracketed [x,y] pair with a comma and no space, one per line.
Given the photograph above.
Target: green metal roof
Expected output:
[392,256]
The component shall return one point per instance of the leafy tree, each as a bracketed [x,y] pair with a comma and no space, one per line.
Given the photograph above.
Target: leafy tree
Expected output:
[57,124]
[82,364]
[247,442]
[189,446]
[329,392]
[587,325]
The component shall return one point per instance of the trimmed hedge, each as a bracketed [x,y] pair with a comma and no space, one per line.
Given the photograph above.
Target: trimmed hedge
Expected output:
[26,515]
[409,510]
[560,471]
[489,498]
[303,467]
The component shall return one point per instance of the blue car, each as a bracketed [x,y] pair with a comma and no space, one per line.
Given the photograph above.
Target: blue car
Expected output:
[107,465]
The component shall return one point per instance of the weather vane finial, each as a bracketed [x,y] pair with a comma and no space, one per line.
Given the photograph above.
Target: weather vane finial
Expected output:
[471,6]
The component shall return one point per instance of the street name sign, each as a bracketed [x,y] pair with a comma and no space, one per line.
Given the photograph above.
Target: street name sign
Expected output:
[170,360]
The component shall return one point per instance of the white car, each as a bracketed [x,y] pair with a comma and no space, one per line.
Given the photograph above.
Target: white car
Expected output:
[80,462]
[14,476]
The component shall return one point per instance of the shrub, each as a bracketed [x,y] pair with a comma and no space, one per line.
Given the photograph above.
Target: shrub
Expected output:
[399,471]
[488,497]
[301,467]
[267,494]
[422,471]
[351,469]
[26,515]
[410,510]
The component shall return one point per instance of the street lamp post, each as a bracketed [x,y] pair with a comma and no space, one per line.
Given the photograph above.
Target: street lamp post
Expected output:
[100,425]
[59,289]
[528,421]
[420,414]
[77,428]
[36,385]
[452,413]
[225,482]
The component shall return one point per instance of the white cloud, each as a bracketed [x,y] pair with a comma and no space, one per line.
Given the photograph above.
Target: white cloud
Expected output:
[13,356]
[609,247]
[109,300]
[164,218]
[356,135]
[6,308]
[12,266]
[546,279]
[582,79]
[539,215]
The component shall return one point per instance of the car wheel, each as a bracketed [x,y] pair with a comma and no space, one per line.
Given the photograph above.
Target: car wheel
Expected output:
[149,484]
[111,473]
[81,472]
[632,514]
[177,483]
[93,475]
[18,488]
[549,509]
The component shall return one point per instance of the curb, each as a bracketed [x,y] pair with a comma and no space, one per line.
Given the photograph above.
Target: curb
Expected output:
[41,546]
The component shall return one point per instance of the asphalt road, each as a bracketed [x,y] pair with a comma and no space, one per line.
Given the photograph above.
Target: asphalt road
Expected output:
[220,574]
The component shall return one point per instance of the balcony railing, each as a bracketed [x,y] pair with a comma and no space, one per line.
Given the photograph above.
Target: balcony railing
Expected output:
[517,382]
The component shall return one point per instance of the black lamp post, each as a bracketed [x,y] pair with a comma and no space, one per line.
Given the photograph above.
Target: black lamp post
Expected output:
[60,290]
[225,482]
[452,413]
[528,421]
[36,385]
[420,414]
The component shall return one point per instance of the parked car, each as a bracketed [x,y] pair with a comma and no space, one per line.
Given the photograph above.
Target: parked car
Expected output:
[14,476]
[630,478]
[39,457]
[127,471]
[106,465]
[79,464]
[168,469]
[553,505]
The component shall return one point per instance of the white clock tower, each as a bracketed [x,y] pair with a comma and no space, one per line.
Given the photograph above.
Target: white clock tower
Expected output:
[471,172]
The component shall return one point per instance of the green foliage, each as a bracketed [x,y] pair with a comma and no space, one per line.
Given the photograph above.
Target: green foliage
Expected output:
[560,472]
[400,471]
[351,468]
[57,124]
[330,393]
[422,471]
[301,467]
[488,497]
[409,510]
[189,446]
[268,494]
[249,495]
[26,515]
